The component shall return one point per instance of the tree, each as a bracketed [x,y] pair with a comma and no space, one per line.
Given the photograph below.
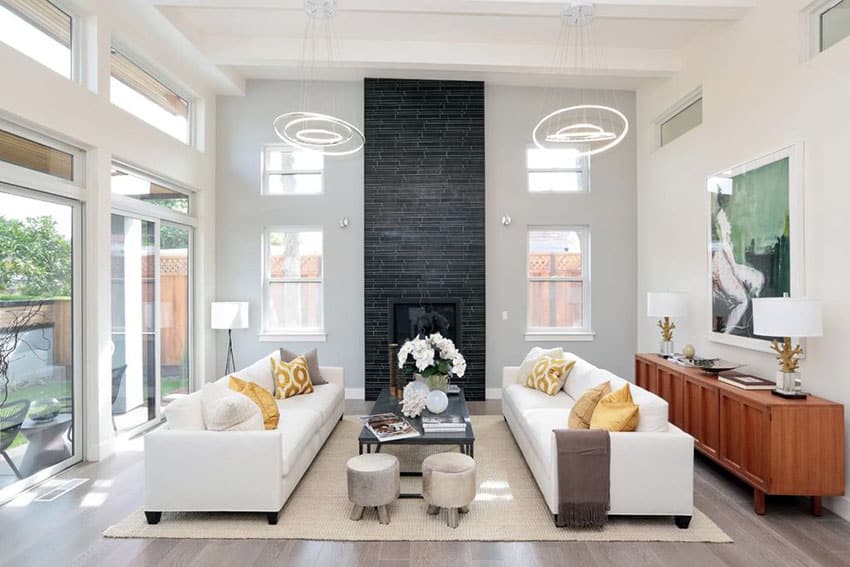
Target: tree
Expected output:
[35,260]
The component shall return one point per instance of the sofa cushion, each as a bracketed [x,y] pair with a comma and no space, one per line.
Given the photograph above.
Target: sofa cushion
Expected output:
[261,397]
[226,410]
[323,400]
[539,425]
[582,411]
[523,399]
[583,377]
[312,357]
[548,374]
[297,427]
[291,378]
[616,412]
[260,372]
[185,413]
[531,359]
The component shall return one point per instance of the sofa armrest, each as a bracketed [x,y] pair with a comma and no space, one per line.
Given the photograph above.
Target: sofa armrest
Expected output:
[213,470]
[333,375]
[509,376]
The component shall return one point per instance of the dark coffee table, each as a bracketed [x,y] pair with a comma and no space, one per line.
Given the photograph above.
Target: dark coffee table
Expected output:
[457,406]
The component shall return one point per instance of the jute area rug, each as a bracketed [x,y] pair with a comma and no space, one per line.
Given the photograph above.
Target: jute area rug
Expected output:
[509,506]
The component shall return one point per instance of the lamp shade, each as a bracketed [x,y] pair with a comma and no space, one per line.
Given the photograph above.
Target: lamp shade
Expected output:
[229,315]
[666,304]
[787,317]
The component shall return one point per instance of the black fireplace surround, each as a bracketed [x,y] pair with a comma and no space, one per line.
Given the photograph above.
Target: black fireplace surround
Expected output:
[409,319]
[424,219]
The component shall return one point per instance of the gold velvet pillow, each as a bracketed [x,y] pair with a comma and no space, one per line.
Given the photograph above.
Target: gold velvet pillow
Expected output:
[548,374]
[616,412]
[260,396]
[291,378]
[583,410]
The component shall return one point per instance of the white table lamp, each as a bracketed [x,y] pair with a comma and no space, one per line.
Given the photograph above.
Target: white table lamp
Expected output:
[666,304]
[787,317]
[229,315]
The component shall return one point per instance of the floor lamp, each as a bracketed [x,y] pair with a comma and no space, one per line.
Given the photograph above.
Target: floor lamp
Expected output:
[229,315]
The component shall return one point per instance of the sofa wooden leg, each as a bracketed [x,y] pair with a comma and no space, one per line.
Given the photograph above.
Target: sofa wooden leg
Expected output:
[356,512]
[682,522]
[383,515]
[153,518]
[273,517]
[464,509]
[452,518]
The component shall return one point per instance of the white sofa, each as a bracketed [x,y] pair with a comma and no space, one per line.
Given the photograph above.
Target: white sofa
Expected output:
[652,470]
[241,471]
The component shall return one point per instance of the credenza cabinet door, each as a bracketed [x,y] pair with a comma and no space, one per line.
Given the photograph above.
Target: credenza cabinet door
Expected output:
[645,373]
[744,429]
[701,414]
[671,387]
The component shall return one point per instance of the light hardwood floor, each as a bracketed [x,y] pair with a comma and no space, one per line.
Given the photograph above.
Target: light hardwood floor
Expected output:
[68,530]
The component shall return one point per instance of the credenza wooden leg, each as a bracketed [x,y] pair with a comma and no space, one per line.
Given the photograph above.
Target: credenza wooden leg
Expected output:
[817,506]
[758,501]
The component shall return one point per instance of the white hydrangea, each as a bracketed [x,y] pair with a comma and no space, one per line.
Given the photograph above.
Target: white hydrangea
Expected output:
[425,353]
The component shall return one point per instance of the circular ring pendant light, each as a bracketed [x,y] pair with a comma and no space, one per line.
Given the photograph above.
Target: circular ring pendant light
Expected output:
[327,134]
[588,128]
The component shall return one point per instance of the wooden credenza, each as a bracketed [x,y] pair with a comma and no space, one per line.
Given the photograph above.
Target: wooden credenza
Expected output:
[776,445]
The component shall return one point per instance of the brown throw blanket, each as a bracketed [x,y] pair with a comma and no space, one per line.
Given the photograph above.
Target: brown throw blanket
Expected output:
[584,471]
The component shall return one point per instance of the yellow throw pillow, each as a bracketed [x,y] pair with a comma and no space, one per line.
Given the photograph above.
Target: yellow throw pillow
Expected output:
[291,378]
[260,396]
[548,374]
[583,410]
[616,412]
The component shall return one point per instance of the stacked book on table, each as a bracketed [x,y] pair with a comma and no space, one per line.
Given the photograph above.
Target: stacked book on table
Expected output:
[443,424]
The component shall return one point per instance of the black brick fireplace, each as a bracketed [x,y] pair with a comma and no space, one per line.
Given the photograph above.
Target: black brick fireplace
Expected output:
[424,218]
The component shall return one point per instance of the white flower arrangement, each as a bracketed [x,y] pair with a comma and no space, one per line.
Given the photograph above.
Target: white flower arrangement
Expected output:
[432,355]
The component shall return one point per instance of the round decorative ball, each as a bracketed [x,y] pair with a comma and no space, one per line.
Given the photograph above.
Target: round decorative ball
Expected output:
[416,388]
[688,351]
[437,402]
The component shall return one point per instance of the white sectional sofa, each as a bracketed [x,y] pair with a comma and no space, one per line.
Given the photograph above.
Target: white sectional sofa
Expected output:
[241,471]
[651,469]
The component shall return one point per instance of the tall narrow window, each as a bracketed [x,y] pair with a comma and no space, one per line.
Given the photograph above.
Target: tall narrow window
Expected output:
[288,171]
[293,287]
[39,29]
[558,280]
[557,171]
[147,97]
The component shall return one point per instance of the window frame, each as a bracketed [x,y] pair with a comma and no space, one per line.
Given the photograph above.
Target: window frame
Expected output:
[267,172]
[167,80]
[76,70]
[305,334]
[137,207]
[584,172]
[548,334]
[816,25]
[683,104]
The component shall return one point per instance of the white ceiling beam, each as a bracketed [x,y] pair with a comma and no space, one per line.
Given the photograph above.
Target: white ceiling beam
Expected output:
[528,59]
[709,10]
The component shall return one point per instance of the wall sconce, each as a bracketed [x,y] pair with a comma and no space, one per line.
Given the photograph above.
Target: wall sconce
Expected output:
[344,222]
[506,220]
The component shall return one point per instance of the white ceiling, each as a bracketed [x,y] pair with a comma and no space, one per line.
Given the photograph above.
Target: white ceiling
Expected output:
[505,41]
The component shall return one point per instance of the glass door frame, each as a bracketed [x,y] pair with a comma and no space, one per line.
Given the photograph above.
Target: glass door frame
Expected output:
[77,339]
[126,207]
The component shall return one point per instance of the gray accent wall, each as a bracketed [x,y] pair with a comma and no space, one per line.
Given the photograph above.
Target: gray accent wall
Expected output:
[609,210]
[244,124]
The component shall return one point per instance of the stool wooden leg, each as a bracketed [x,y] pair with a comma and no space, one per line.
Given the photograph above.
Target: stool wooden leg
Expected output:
[452,517]
[464,510]
[433,510]
[383,515]
[356,512]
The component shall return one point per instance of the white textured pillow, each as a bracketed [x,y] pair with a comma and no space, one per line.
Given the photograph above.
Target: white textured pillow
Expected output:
[532,357]
[259,373]
[185,413]
[226,410]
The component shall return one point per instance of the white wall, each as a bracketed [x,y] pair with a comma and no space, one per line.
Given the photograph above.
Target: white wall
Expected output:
[608,209]
[244,125]
[761,93]
[81,114]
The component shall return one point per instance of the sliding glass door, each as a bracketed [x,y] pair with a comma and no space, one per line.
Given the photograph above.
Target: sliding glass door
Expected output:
[40,387]
[151,318]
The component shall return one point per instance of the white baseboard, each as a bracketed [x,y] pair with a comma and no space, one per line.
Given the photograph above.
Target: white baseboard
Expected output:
[493,394]
[355,393]
[840,505]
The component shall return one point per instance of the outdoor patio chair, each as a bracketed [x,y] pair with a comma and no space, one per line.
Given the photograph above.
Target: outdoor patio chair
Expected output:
[12,417]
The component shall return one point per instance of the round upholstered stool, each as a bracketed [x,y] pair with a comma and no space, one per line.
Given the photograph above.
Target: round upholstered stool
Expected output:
[448,481]
[373,481]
